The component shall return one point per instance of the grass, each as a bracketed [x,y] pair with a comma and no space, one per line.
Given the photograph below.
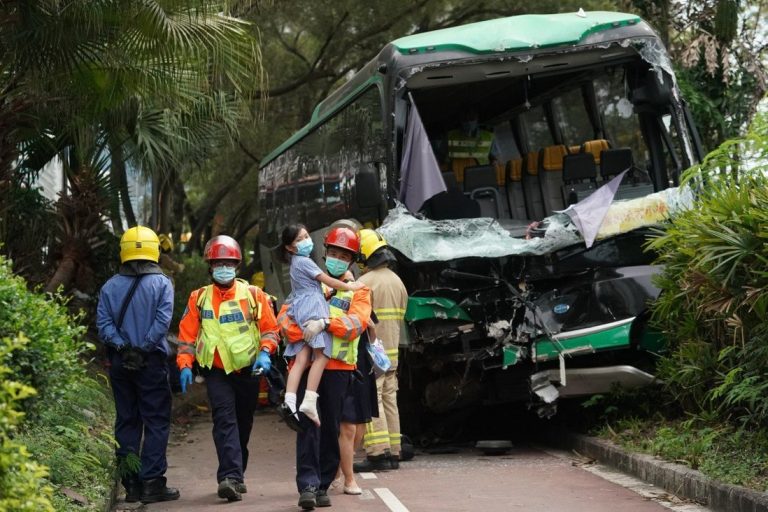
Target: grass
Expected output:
[72,436]
[720,451]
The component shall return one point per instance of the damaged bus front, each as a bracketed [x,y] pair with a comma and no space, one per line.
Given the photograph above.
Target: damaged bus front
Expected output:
[555,143]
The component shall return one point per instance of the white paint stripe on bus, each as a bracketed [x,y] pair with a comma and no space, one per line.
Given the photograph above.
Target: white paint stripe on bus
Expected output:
[390,500]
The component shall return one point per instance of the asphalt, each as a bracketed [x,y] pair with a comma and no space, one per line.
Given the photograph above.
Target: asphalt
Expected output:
[528,478]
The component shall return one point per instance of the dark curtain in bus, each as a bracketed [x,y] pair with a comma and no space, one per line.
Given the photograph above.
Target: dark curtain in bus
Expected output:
[420,176]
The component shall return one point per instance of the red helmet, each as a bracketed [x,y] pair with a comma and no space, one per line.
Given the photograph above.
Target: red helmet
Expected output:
[222,247]
[343,238]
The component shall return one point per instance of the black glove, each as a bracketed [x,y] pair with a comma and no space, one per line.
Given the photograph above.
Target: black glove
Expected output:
[133,359]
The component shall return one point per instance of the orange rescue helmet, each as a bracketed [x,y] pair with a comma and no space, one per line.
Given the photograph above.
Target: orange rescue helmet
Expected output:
[222,247]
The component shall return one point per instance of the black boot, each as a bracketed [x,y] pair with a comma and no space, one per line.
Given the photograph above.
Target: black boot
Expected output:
[155,490]
[372,463]
[132,486]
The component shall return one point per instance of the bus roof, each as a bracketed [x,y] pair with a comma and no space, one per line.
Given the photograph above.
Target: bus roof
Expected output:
[515,33]
[523,32]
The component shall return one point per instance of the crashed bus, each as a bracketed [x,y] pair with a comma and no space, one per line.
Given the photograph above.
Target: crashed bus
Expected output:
[527,275]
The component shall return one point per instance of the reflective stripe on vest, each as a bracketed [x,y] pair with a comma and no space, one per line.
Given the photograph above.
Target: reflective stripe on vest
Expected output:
[461,145]
[390,313]
[235,335]
[343,349]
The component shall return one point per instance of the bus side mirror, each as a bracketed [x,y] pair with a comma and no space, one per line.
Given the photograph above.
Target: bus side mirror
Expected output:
[368,185]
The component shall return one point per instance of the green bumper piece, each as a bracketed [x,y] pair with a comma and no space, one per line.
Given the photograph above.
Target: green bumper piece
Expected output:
[511,355]
[608,339]
[425,308]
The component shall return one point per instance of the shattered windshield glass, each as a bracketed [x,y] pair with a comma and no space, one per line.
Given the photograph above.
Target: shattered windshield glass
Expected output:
[422,240]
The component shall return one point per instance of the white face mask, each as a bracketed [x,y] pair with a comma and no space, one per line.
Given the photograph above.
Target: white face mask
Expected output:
[224,275]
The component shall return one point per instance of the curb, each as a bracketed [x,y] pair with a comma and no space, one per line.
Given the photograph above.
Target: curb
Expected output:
[676,479]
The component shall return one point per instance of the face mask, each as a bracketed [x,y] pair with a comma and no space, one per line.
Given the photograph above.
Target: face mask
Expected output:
[304,248]
[335,266]
[224,275]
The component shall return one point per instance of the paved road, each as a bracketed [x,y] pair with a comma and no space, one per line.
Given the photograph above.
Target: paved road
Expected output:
[525,479]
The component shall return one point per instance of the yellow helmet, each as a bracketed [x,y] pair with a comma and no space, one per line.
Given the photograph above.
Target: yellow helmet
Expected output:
[139,243]
[166,243]
[370,242]
[257,279]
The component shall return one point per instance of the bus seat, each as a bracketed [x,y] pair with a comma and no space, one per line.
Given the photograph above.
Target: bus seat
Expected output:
[579,177]
[459,164]
[501,174]
[574,149]
[449,179]
[534,206]
[480,183]
[514,188]
[635,184]
[451,204]
[596,147]
[615,161]
[551,177]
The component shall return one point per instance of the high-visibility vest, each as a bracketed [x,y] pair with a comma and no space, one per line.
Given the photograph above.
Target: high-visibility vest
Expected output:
[461,145]
[234,334]
[343,349]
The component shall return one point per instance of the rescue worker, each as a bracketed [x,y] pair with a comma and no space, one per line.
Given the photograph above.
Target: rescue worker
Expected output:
[133,316]
[389,299]
[230,329]
[470,141]
[317,448]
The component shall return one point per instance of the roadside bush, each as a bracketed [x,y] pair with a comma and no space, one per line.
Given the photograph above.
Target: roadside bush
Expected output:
[22,486]
[65,423]
[52,356]
[715,281]
[73,437]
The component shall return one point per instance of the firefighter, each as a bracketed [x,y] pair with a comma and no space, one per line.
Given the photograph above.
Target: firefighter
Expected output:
[170,266]
[389,299]
[230,329]
[133,316]
[470,140]
[317,448]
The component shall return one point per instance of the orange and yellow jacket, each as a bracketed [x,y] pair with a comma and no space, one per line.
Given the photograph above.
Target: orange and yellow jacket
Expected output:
[189,327]
[347,327]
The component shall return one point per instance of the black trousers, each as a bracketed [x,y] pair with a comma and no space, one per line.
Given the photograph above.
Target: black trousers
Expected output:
[233,399]
[317,449]
[143,409]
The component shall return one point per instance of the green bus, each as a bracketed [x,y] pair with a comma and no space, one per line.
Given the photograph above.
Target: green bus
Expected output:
[498,314]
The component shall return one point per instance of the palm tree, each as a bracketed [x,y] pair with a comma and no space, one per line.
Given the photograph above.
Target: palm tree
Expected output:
[107,83]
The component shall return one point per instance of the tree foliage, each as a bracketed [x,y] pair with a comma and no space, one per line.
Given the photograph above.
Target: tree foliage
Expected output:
[713,308]
[107,84]
[721,57]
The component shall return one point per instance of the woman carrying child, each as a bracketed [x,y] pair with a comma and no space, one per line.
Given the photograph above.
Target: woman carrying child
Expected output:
[306,302]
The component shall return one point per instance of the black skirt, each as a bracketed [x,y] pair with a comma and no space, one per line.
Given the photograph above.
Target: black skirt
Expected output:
[361,403]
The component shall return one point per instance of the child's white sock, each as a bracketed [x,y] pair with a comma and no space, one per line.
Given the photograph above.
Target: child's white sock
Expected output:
[290,401]
[309,406]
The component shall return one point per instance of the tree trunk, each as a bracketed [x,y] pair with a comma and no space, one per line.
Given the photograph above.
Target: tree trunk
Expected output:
[177,210]
[165,200]
[66,269]
[118,166]
[207,211]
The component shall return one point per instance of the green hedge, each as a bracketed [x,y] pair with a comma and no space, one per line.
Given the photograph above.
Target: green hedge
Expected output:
[22,484]
[52,356]
[55,420]
[715,281]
